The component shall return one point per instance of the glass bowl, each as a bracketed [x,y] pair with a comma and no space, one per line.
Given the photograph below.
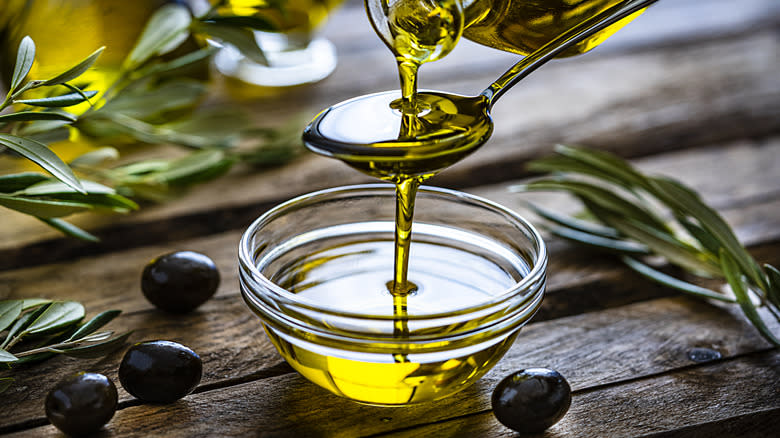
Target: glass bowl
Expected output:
[314,269]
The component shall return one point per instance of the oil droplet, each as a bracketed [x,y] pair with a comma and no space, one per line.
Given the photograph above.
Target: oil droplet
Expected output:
[701,355]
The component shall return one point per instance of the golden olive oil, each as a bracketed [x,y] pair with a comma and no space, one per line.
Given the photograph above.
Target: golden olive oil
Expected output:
[350,276]
[522,26]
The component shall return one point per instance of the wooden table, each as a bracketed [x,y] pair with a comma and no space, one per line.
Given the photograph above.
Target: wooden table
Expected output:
[683,91]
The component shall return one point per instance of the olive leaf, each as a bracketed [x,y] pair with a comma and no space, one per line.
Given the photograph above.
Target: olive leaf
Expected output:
[43,208]
[7,357]
[25,57]
[77,70]
[9,311]
[58,315]
[69,229]
[28,116]
[18,181]
[167,28]
[62,100]
[617,197]
[42,156]
[242,39]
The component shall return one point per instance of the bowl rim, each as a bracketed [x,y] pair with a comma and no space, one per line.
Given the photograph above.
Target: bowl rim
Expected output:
[532,283]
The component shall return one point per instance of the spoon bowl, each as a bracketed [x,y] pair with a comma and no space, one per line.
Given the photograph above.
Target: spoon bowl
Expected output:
[372,134]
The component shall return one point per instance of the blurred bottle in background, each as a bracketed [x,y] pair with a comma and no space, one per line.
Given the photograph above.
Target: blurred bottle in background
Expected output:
[294,53]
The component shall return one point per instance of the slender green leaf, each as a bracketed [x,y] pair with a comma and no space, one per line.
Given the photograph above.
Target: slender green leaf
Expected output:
[7,357]
[145,104]
[165,68]
[5,383]
[600,242]
[600,196]
[79,91]
[164,29]
[575,224]
[58,315]
[196,167]
[250,21]
[96,157]
[57,187]
[665,245]
[69,229]
[25,57]
[734,277]
[46,131]
[98,349]
[674,283]
[28,116]
[42,156]
[43,208]
[62,100]
[22,323]
[241,38]
[34,302]
[773,277]
[685,200]
[95,323]
[606,163]
[17,181]
[707,241]
[561,165]
[77,70]
[9,311]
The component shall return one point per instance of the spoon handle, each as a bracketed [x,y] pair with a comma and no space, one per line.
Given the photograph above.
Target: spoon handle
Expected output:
[528,64]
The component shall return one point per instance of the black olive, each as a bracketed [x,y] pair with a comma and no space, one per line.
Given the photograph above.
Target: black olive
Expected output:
[160,371]
[180,281]
[82,403]
[531,400]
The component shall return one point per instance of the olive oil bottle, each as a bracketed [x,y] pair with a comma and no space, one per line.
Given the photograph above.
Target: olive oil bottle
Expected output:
[66,31]
[522,26]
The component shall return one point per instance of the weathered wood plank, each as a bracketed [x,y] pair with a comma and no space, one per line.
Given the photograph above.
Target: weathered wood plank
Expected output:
[634,103]
[591,350]
[702,401]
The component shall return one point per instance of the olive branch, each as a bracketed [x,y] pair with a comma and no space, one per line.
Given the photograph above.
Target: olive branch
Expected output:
[621,218]
[150,102]
[36,329]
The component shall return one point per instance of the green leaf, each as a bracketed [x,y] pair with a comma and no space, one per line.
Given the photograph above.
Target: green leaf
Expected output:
[24,61]
[17,181]
[196,167]
[22,323]
[575,224]
[165,68]
[666,245]
[145,104]
[242,39]
[59,315]
[773,277]
[69,229]
[95,323]
[674,283]
[42,156]
[34,302]
[96,157]
[600,242]
[599,196]
[7,357]
[237,21]
[28,116]
[734,277]
[98,349]
[9,311]
[5,383]
[46,131]
[43,208]
[688,202]
[57,187]
[605,163]
[165,30]
[59,101]
[707,241]
[77,70]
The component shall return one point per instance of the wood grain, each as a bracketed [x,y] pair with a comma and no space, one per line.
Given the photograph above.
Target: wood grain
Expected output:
[591,350]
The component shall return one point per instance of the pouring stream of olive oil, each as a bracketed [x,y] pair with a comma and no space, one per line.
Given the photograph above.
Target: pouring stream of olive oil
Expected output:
[407,137]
